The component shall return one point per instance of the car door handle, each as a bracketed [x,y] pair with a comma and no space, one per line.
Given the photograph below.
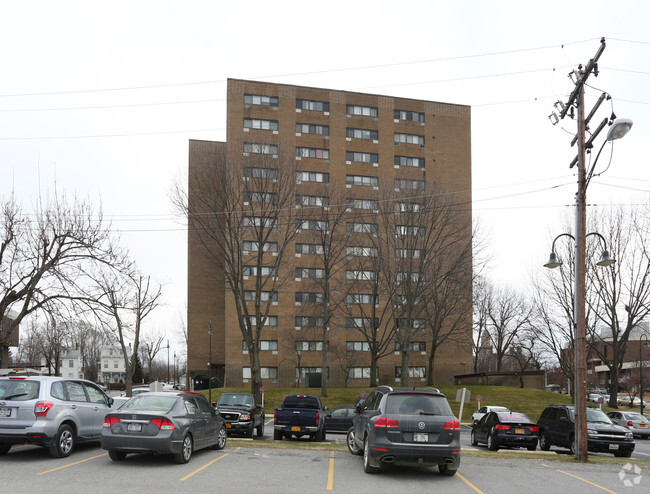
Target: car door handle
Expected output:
[74,407]
[95,408]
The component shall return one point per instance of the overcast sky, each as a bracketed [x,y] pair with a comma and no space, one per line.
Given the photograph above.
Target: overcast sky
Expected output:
[100,99]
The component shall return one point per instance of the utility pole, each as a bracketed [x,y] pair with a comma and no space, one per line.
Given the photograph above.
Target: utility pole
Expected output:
[580,323]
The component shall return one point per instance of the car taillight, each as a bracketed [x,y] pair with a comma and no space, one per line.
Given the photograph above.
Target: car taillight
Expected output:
[42,407]
[317,418]
[501,427]
[163,424]
[534,428]
[109,421]
[630,424]
[386,423]
[452,425]
[275,417]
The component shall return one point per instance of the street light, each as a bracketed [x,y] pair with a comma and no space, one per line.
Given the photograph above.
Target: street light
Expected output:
[641,368]
[210,364]
[605,258]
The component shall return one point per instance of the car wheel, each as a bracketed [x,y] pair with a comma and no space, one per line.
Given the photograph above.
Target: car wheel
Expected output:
[222,437]
[320,436]
[473,439]
[492,443]
[116,455]
[367,467]
[544,441]
[260,429]
[186,450]
[249,432]
[352,444]
[572,445]
[277,435]
[4,448]
[63,442]
[444,469]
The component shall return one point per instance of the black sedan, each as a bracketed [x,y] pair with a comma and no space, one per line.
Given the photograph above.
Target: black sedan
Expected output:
[175,423]
[498,429]
[339,419]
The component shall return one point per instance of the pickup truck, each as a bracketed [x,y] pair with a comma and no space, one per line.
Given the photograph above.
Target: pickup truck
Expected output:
[241,413]
[300,415]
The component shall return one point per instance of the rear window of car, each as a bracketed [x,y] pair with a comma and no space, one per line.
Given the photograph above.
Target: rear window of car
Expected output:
[514,417]
[19,390]
[417,404]
[633,416]
[149,402]
[300,402]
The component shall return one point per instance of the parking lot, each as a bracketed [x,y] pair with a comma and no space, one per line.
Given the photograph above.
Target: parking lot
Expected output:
[259,469]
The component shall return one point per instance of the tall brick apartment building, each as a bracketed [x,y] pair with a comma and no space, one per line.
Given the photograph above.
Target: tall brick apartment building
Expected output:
[344,144]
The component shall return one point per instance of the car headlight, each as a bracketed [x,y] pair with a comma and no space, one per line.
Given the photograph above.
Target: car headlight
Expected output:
[592,432]
[244,416]
[628,434]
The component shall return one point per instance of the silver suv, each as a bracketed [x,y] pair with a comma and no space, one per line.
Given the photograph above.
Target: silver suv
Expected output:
[54,412]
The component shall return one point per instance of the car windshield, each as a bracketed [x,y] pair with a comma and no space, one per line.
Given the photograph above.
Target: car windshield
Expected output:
[514,417]
[235,400]
[19,390]
[151,402]
[417,404]
[597,416]
[499,409]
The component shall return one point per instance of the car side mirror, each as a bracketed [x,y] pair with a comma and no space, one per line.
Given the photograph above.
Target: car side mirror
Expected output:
[214,404]
[110,401]
[325,408]
[564,419]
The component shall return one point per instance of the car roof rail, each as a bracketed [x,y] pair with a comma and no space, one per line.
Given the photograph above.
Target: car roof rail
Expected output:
[386,386]
[431,388]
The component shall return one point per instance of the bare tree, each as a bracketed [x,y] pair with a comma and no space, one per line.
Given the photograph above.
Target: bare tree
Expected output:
[242,211]
[482,295]
[151,345]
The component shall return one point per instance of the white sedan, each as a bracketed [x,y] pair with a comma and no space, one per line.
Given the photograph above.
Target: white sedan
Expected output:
[478,414]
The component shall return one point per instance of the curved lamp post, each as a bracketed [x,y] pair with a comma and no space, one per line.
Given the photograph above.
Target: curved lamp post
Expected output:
[605,258]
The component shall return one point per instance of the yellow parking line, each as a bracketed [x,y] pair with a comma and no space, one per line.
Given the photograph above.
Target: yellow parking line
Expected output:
[72,464]
[330,473]
[590,483]
[476,489]
[204,466]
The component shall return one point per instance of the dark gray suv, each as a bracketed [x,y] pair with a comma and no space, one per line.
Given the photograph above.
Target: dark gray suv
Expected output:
[53,412]
[406,426]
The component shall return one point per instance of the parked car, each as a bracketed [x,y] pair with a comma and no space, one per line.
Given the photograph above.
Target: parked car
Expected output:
[628,401]
[53,412]
[498,429]
[340,419]
[595,397]
[478,414]
[406,426]
[557,424]
[241,413]
[176,423]
[300,415]
[637,423]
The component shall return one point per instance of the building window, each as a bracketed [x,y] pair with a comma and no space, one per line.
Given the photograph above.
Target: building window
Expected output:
[265,373]
[362,180]
[367,204]
[408,253]
[323,201]
[404,276]
[316,225]
[257,99]
[309,322]
[310,297]
[405,323]
[316,153]
[407,207]
[315,249]
[105,364]
[357,346]
[409,161]
[359,322]
[260,221]
[409,116]
[260,197]
[255,123]
[70,363]
[309,346]
[362,228]
[310,273]
[265,296]
[305,104]
[263,271]
[305,128]
[360,251]
[408,230]
[413,346]
[415,372]
[359,372]
[361,157]
[264,346]
[405,184]
[409,139]
[268,321]
[360,298]
[257,148]
[312,177]
[252,172]
[366,134]
[401,300]
[250,246]
[301,371]
[364,111]
[360,275]
[115,364]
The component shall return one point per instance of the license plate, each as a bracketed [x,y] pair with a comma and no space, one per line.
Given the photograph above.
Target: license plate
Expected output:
[613,446]
[420,438]
[228,426]
[519,431]
[134,427]
[5,412]
[294,428]
[641,425]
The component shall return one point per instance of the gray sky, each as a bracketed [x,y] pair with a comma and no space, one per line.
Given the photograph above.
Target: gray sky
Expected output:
[99,99]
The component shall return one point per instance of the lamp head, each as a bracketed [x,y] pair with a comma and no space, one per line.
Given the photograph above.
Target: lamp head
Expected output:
[606,260]
[553,261]
[619,127]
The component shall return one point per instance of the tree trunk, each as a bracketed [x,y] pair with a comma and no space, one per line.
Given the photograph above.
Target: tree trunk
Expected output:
[404,380]
[373,369]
